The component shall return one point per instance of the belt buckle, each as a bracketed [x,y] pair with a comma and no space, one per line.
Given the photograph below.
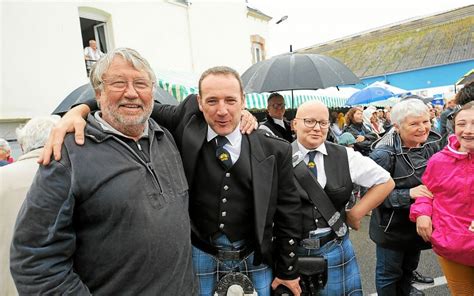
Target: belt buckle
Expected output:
[228,255]
[311,243]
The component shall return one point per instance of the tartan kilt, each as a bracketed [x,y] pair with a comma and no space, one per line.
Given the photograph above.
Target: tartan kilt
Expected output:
[343,270]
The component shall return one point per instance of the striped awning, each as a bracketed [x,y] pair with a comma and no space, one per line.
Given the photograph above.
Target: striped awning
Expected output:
[180,92]
[256,100]
[259,101]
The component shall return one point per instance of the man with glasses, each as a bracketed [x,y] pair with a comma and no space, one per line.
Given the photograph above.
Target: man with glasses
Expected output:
[243,204]
[324,173]
[276,123]
[110,217]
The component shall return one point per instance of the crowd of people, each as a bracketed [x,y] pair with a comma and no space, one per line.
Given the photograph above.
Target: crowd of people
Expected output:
[135,197]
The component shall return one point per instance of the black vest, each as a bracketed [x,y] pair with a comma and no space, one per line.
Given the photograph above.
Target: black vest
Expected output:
[278,130]
[222,201]
[338,187]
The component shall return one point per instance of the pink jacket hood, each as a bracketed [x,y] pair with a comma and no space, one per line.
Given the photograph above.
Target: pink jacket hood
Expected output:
[450,177]
[452,149]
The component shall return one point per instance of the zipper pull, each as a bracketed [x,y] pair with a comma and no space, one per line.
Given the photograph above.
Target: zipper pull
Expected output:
[139,146]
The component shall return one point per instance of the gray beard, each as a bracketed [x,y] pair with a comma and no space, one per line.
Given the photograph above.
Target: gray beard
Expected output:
[130,126]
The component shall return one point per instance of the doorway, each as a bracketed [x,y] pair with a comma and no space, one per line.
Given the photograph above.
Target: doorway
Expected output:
[94,29]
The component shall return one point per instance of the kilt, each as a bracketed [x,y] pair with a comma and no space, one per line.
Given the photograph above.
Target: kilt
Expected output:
[209,269]
[343,271]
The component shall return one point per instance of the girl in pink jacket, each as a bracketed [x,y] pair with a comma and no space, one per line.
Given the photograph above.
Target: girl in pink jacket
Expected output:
[447,219]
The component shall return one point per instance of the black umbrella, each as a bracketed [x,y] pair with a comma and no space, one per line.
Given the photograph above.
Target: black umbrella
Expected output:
[85,92]
[297,71]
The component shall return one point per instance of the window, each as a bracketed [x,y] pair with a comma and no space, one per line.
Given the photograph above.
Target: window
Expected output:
[257,52]
[258,48]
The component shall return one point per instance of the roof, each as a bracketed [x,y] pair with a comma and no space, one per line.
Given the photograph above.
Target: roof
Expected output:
[438,39]
[258,14]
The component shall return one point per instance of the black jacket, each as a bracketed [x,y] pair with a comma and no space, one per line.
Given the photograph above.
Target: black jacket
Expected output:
[276,203]
[360,130]
[390,226]
[278,130]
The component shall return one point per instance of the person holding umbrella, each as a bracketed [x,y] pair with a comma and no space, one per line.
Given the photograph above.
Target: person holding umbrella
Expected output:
[276,122]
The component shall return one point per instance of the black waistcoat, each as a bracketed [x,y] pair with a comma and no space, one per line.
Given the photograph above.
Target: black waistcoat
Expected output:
[338,187]
[278,130]
[220,200]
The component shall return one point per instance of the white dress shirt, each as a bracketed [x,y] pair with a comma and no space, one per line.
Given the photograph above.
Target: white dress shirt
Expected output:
[235,142]
[363,170]
[279,122]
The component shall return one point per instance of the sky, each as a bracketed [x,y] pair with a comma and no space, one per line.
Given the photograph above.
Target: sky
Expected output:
[312,22]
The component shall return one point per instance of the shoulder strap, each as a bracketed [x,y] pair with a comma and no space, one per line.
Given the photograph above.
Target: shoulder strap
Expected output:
[320,199]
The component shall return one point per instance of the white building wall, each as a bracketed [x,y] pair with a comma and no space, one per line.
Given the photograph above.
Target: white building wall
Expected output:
[158,30]
[42,55]
[257,26]
[219,34]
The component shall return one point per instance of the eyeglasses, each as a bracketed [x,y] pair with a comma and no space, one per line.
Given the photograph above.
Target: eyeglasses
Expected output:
[278,106]
[311,122]
[140,85]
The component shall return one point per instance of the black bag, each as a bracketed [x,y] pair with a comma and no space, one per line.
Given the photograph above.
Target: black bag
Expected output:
[313,277]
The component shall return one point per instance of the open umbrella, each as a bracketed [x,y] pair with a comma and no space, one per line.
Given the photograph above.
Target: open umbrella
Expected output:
[296,71]
[468,77]
[396,90]
[368,95]
[85,92]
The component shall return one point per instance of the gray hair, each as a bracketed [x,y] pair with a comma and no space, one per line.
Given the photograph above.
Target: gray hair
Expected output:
[34,133]
[128,54]
[406,108]
[4,144]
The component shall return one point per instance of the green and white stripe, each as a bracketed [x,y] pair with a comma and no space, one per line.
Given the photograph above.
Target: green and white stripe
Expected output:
[256,100]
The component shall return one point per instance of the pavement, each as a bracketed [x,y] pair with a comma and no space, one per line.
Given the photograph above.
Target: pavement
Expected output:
[365,253]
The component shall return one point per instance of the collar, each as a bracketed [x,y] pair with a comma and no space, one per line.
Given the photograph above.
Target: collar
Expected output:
[322,149]
[280,122]
[107,128]
[234,137]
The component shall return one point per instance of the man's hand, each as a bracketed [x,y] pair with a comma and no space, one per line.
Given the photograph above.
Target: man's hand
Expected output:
[293,285]
[420,191]
[360,139]
[72,121]
[353,219]
[248,122]
[372,198]
[424,228]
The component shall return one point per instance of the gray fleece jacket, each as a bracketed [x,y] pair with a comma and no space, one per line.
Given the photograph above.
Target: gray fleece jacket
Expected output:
[103,221]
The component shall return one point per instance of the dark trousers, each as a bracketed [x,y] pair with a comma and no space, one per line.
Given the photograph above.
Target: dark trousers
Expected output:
[394,271]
